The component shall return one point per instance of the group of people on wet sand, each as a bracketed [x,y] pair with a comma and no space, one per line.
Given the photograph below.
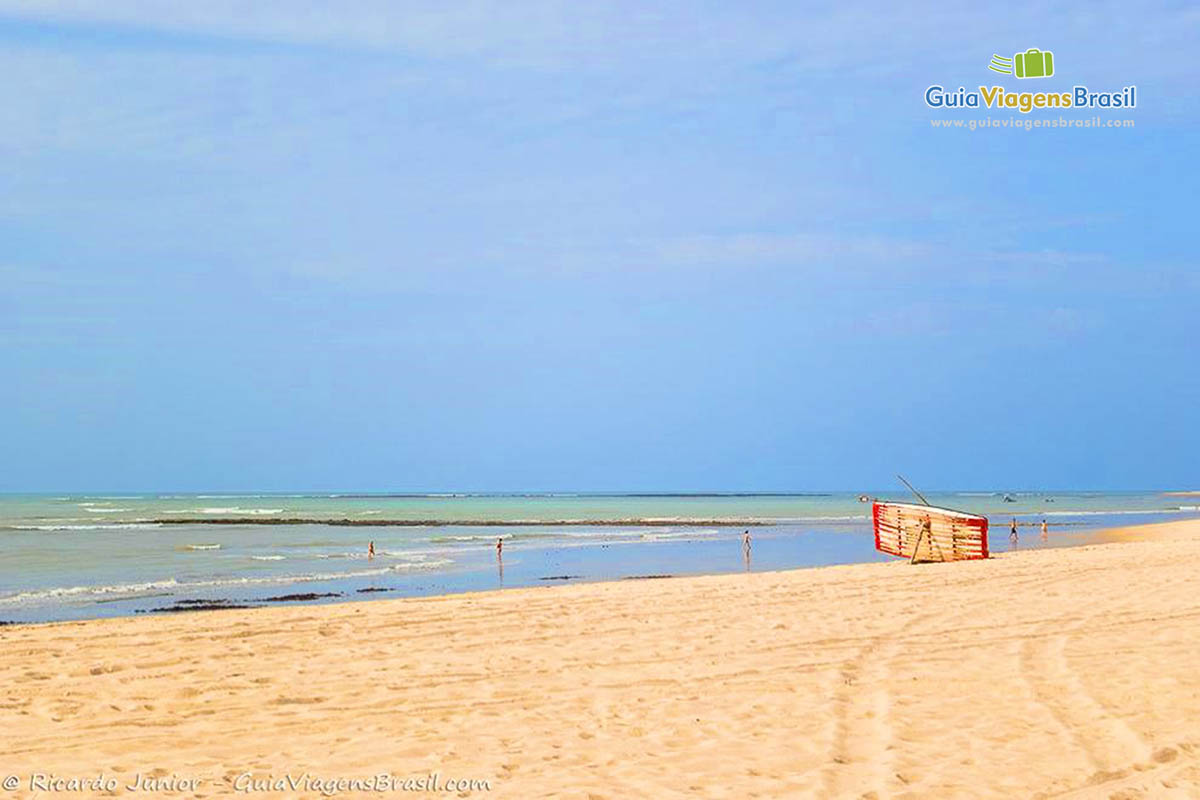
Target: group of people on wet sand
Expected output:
[499,548]
[1012,536]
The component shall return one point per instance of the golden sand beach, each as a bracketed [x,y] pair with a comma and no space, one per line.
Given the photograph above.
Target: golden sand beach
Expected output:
[1048,673]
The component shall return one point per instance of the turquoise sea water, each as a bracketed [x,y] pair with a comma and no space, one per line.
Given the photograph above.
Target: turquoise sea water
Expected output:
[67,557]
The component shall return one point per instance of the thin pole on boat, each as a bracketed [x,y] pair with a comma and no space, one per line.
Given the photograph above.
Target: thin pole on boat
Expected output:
[920,496]
[924,526]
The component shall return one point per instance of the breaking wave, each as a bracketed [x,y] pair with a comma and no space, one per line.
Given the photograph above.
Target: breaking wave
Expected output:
[170,584]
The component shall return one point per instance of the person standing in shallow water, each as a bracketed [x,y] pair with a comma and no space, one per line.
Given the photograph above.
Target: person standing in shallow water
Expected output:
[1012,536]
[1045,532]
[370,550]
[746,548]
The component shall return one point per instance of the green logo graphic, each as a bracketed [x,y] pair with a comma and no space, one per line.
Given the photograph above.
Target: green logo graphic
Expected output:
[1033,63]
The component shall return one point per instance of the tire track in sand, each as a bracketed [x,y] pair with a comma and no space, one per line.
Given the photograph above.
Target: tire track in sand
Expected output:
[1111,746]
[861,761]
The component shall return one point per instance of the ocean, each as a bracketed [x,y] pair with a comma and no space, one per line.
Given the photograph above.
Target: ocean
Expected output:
[76,557]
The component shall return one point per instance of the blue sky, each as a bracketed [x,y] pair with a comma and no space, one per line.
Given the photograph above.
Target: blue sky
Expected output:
[669,246]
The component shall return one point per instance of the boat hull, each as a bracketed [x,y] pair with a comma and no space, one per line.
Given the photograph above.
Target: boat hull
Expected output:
[928,533]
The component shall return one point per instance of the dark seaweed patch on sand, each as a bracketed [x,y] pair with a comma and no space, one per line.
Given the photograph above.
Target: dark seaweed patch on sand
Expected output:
[193,605]
[294,598]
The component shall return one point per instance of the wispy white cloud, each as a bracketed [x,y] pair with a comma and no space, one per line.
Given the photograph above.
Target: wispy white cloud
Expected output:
[802,248]
[870,36]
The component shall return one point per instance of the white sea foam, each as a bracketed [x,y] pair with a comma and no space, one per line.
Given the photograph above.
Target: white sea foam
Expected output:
[266,558]
[428,564]
[93,527]
[234,510]
[106,510]
[75,591]
[361,555]
[669,535]
[470,538]
[202,547]
[85,592]
[490,538]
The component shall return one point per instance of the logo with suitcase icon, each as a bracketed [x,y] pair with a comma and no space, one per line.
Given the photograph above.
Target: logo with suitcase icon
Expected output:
[1033,63]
